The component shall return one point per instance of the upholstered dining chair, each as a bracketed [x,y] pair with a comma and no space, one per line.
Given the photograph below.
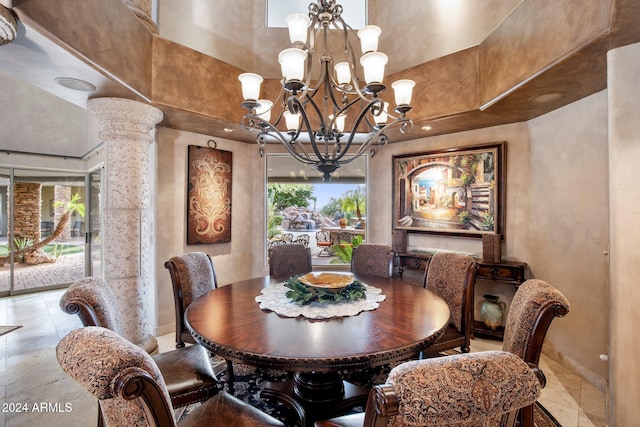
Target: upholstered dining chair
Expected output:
[451,276]
[534,306]
[131,390]
[289,260]
[192,275]
[372,260]
[188,374]
[470,389]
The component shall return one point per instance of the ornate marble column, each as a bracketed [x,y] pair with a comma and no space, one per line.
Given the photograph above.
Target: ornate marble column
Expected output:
[8,26]
[142,9]
[127,233]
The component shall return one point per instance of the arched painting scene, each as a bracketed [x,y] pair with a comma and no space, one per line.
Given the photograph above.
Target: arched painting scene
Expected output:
[453,192]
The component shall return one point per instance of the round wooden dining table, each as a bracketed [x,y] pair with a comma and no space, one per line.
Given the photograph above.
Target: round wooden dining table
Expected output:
[230,323]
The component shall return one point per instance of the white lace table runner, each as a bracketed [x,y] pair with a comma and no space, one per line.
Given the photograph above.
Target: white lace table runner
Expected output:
[274,298]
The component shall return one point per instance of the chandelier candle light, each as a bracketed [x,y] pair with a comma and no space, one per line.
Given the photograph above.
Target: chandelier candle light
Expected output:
[318,110]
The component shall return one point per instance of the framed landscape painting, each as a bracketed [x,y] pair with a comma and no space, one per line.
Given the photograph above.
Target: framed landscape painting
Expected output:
[208,195]
[456,192]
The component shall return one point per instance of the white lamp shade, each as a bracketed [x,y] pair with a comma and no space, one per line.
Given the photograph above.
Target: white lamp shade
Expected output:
[298,24]
[373,64]
[369,38]
[403,89]
[263,110]
[292,63]
[343,72]
[381,118]
[292,120]
[250,85]
[339,122]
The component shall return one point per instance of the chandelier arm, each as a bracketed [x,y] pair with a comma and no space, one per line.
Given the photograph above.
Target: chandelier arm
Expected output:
[345,28]
[343,110]
[332,96]
[362,114]
[273,132]
[273,105]
[305,119]
[371,126]
[353,64]
[310,101]
[371,104]
[402,122]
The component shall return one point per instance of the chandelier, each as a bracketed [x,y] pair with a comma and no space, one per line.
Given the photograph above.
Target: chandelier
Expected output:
[314,111]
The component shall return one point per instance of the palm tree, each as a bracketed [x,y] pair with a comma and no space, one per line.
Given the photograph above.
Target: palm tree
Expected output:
[69,207]
[354,200]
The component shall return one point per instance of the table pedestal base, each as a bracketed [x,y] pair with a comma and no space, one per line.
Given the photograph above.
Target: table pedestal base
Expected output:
[316,395]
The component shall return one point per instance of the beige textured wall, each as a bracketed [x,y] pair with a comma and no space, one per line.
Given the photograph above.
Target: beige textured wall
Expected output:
[568,227]
[624,205]
[556,216]
[239,259]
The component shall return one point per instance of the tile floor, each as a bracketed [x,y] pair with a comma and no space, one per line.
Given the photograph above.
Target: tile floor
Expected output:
[34,390]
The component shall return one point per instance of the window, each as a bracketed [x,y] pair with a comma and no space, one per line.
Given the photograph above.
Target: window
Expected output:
[299,203]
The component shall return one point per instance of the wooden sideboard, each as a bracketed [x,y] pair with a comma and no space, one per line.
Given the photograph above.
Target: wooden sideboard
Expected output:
[508,273]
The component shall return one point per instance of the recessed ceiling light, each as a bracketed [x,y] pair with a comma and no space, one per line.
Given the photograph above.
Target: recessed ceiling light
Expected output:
[546,98]
[75,84]
[426,128]
[228,130]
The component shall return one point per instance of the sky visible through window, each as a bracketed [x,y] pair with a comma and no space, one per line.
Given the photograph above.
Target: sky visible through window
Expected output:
[324,192]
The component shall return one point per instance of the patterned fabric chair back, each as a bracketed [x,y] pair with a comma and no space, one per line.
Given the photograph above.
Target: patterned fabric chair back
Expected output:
[470,389]
[103,362]
[192,275]
[534,306]
[94,302]
[451,277]
[372,260]
[196,275]
[289,260]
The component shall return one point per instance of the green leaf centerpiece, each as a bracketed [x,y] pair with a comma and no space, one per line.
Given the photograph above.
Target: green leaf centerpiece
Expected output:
[303,294]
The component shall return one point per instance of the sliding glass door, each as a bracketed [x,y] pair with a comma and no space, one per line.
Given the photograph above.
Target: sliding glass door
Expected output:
[93,238]
[5,254]
[48,234]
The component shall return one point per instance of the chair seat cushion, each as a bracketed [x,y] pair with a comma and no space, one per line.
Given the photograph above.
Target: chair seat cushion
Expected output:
[225,410]
[188,374]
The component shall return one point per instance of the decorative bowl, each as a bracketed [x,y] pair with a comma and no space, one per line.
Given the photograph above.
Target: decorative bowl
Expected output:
[327,281]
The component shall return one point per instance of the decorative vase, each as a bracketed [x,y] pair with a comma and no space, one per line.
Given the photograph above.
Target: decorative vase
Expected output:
[491,311]
[342,223]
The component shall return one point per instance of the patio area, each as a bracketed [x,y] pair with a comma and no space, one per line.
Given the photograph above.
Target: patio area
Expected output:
[66,269]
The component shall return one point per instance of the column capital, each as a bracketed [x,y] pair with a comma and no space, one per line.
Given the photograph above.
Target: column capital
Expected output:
[8,26]
[124,118]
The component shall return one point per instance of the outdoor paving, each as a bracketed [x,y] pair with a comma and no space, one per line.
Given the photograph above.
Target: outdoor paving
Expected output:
[66,269]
